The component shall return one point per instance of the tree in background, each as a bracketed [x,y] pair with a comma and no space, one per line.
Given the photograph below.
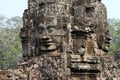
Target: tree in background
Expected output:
[10,46]
[114,27]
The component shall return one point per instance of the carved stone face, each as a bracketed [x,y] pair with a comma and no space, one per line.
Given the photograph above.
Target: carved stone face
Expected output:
[50,38]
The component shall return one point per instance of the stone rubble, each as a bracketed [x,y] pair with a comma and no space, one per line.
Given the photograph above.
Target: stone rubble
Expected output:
[63,40]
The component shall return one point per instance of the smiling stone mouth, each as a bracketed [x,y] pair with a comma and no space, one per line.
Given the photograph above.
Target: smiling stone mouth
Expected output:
[47,45]
[46,42]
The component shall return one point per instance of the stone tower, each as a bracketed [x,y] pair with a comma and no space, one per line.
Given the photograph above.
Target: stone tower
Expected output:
[66,37]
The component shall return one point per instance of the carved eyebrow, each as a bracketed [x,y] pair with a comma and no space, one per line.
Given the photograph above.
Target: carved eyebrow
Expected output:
[48,27]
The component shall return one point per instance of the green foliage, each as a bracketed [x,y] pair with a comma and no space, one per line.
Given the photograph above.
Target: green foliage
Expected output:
[10,45]
[114,27]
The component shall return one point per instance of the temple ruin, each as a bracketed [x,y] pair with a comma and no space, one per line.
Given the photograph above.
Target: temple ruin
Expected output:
[63,40]
[67,36]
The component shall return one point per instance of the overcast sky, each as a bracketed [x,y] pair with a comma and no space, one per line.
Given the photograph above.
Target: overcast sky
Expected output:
[11,8]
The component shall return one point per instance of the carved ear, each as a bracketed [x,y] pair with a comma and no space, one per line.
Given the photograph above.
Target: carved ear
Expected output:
[72,11]
[101,40]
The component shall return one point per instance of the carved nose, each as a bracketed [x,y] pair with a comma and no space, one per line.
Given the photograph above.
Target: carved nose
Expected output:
[45,35]
[45,38]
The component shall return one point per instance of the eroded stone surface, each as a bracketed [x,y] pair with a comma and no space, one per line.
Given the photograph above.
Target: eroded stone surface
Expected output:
[64,39]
